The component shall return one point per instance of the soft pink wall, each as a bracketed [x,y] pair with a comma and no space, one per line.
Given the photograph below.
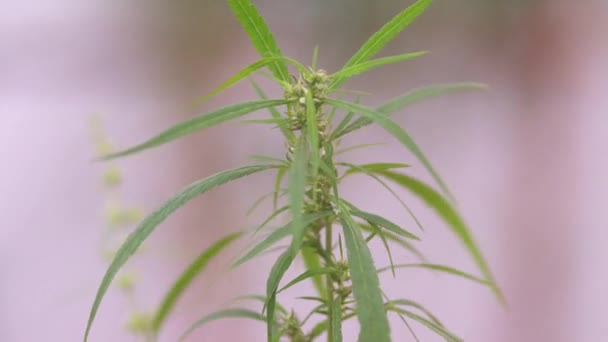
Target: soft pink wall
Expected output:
[526,161]
[61,64]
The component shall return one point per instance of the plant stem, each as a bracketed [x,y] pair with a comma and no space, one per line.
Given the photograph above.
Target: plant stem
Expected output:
[330,287]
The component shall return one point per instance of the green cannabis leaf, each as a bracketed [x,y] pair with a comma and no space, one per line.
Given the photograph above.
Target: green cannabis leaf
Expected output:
[330,233]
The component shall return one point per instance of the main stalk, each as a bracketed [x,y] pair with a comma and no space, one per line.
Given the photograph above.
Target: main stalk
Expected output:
[318,189]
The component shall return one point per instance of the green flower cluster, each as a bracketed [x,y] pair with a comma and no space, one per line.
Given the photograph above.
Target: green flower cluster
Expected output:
[315,82]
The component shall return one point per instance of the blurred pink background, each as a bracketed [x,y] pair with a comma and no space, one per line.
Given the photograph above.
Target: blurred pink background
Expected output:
[526,160]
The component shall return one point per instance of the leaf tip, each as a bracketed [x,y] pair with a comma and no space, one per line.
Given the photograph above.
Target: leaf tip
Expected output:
[499,295]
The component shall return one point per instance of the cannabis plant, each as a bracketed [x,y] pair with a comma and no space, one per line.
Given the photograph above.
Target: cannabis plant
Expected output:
[326,230]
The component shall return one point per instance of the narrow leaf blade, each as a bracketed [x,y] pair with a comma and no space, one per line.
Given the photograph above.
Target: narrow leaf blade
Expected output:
[441,331]
[383,222]
[271,217]
[276,236]
[378,231]
[345,121]
[243,73]
[439,268]
[197,123]
[297,184]
[260,35]
[274,278]
[257,203]
[149,224]
[360,68]
[386,33]
[373,322]
[313,261]
[268,242]
[261,299]
[447,212]
[394,129]
[420,307]
[372,167]
[307,274]
[400,102]
[268,159]
[357,168]
[398,240]
[315,55]
[227,313]
[186,278]
[273,111]
[277,186]
[271,121]
[356,147]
